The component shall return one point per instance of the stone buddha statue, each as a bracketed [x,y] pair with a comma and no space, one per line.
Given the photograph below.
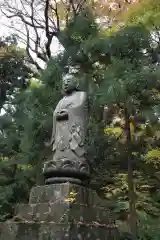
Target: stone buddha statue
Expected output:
[68,137]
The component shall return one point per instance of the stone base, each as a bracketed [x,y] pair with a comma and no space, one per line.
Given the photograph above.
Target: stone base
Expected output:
[52,231]
[60,212]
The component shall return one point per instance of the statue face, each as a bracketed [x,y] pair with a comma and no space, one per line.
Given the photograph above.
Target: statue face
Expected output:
[69,85]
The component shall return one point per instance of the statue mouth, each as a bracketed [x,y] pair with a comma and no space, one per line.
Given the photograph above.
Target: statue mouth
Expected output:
[65,87]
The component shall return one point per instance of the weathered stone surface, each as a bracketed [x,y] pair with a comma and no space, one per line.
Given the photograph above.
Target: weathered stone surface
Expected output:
[61,212]
[68,137]
[51,231]
[61,192]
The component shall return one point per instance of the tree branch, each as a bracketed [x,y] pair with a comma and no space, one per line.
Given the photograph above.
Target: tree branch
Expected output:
[41,17]
[48,36]
[55,10]
[73,7]
[28,49]
[37,41]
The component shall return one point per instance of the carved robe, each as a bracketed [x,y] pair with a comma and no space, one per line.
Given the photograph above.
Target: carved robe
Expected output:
[69,129]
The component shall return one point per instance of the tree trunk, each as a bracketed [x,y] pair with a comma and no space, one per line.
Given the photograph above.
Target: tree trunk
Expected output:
[131,191]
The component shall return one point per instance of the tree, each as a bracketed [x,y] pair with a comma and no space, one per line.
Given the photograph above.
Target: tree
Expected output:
[48,18]
[14,70]
[51,18]
[128,83]
[147,13]
[14,78]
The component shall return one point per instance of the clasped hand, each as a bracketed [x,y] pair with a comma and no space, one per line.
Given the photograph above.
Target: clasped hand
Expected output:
[62,113]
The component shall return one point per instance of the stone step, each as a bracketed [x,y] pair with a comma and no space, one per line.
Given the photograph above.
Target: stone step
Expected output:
[52,231]
[62,212]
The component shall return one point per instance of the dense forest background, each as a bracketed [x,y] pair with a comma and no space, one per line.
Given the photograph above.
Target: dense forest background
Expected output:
[113,48]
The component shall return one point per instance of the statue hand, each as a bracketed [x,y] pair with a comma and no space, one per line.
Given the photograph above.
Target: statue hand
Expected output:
[62,114]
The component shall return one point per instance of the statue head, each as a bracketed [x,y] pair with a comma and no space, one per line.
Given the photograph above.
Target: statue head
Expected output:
[69,84]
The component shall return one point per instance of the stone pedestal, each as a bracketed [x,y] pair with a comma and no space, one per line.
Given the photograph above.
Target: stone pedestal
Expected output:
[60,212]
